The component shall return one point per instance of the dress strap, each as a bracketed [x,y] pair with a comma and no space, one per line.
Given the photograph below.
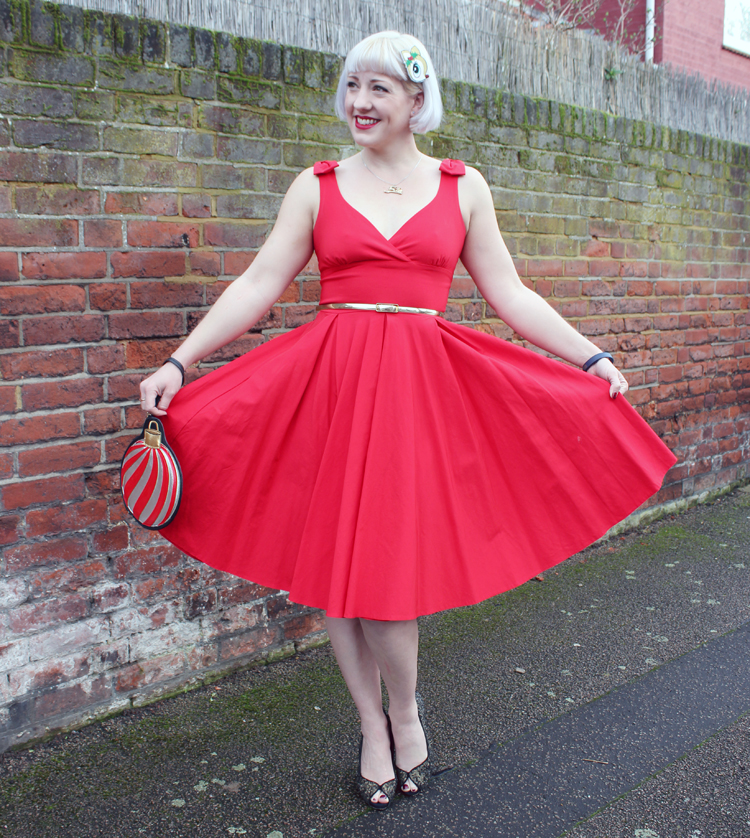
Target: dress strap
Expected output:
[453,167]
[323,167]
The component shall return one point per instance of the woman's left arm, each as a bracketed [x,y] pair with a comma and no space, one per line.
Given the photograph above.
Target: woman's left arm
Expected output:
[487,259]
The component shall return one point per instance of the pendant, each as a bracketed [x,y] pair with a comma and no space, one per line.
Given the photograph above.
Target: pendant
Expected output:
[394,190]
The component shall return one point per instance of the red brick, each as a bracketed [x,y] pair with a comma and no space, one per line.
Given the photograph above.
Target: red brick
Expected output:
[303,624]
[144,673]
[10,529]
[244,592]
[148,264]
[145,324]
[105,358]
[146,560]
[73,392]
[37,232]
[141,203]
[148,354]
[162,234]
[165,294]
[236,262]
[65,517]
[63,699]
[29,299]
[114,448]
[100,483]
[38,615]
[51,490]
[604,267]
[248,643]
[56,200]
[41,364]
[6,465]
[51,552]
[52,458]
[101,232]
[640,289]
[103,420]
[39,428]
[310,292]
[595,248]
[7,399]
[196,206]
[38,331]
[106,296]
[544,267]
[567,288]
[124,387]
[204,263]
[9,334]
[110,540]
[64,265]
[297,315]
[239,234]
[8,267]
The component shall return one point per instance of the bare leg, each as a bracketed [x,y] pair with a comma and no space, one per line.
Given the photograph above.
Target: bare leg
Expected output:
[395,646]
[362,676]
[364,649]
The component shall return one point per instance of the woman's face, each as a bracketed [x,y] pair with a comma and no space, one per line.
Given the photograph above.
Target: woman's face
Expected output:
[378,108]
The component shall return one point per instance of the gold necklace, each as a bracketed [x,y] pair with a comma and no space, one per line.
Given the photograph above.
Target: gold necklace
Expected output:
[393,188]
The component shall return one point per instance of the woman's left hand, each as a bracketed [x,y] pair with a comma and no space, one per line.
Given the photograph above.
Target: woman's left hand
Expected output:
[608,371]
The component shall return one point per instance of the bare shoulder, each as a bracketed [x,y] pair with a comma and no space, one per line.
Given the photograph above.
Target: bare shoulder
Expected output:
[473,192]
[302,198]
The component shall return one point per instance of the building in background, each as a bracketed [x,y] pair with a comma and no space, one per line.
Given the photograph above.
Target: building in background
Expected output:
[709,37]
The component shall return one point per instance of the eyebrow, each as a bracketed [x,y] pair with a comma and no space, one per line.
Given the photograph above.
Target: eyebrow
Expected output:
[376,80]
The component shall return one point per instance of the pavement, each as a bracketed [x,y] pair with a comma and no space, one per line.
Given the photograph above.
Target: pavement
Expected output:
[609,699]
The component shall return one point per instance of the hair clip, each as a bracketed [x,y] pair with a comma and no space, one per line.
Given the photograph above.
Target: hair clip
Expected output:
[415,64]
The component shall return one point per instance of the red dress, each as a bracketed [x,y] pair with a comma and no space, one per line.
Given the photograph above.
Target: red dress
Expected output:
[387,465]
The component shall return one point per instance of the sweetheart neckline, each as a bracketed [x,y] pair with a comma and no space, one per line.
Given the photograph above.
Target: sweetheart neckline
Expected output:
[409,219]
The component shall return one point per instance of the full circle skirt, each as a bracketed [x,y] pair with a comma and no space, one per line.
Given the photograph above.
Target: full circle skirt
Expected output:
[392,465]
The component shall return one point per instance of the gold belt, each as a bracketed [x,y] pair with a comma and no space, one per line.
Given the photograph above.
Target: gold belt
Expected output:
[388,308]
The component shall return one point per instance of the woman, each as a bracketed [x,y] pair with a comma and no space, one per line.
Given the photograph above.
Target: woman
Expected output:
[381,462]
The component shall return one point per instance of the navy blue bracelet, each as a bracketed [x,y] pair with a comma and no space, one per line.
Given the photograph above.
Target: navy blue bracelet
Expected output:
[594,358]
[182,369]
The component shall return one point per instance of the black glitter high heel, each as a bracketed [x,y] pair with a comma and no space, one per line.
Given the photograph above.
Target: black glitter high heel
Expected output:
[420,774]
[369,788]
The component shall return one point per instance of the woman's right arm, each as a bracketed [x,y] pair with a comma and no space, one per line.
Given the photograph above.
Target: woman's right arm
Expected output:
[286,251]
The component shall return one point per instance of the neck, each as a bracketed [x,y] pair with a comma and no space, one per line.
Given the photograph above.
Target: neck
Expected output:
[396,155]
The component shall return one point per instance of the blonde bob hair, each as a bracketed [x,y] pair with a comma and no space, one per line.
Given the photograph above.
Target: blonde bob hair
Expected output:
[381,53]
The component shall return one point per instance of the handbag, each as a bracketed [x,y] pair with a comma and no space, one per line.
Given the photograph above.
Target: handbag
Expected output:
[151,478]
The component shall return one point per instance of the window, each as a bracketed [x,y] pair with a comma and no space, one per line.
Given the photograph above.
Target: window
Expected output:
[737,25]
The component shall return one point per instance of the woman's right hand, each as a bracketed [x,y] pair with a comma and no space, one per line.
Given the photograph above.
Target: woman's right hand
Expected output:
[163,384]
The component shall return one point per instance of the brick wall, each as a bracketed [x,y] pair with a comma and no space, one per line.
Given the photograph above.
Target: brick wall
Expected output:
[140,169]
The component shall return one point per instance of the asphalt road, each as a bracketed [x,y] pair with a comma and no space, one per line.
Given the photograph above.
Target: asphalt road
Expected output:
[627,719]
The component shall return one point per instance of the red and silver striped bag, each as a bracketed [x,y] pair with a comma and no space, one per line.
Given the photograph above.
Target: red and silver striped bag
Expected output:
[150,477]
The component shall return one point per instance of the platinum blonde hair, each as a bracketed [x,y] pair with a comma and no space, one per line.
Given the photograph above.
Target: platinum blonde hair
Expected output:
[381,53]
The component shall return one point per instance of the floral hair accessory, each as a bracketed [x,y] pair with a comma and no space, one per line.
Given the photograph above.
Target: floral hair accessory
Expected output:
[415,64]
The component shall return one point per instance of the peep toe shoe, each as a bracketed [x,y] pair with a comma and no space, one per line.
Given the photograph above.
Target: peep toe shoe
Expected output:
[420,774]
[369,788]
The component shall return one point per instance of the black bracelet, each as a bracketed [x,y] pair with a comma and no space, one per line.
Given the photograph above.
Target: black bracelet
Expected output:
[594,358]
[182,369]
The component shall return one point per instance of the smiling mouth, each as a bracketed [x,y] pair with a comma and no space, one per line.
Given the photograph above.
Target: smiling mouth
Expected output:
[365,121]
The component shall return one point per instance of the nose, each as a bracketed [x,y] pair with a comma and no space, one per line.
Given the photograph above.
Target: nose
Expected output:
[361,100]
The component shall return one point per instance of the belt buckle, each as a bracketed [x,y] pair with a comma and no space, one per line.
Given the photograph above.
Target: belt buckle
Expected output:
[389,308]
